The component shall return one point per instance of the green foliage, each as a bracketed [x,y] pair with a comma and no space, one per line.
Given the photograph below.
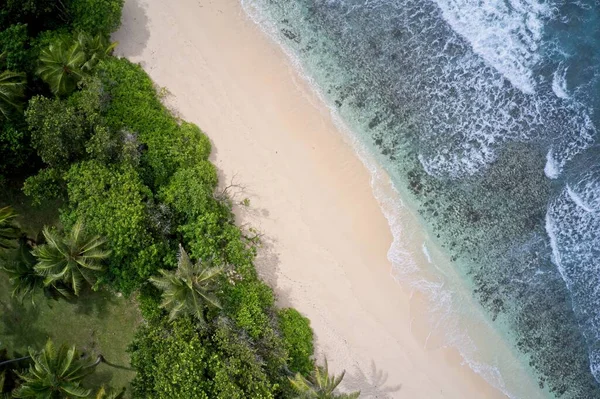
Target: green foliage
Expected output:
[96,48]
[175,360]
[47,185]
[62,66]
[191,145]
[298,338]
[58,130]
[71,259]
[38,14]
[111,202]
[55,374]
[14,149]
[213,235]
[12,86]
[190,190]
[248,303]
[96,16]
[189,290]
[149,299]
[320,385]
[13,44]
[136,107]
[19,266]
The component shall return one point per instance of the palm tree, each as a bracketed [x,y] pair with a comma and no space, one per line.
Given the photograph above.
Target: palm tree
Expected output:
[21,273]
[96,48]
[9,231]
[55,374]
[320,385]
[189,289]
[71,259]
[12,93]
[61,66]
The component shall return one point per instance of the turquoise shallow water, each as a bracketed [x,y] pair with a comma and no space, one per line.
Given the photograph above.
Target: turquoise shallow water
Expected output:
[485,115]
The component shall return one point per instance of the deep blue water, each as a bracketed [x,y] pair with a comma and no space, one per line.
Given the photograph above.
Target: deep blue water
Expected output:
[485,114]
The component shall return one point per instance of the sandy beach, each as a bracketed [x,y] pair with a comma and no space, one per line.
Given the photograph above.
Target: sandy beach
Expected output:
[325,237]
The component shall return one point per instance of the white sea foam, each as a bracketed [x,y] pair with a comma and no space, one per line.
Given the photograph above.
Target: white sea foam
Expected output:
[426,253]
[559,83]
[506,34]
[551,169]
[578,200]
[573,227]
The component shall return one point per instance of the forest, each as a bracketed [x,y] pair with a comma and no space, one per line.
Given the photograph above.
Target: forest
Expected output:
[122,271]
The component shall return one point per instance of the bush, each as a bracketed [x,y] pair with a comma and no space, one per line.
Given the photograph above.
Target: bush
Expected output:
[298,339]
[47,185]
[96,16]
[13,43]
[111,202]
[136,107]
[58,131]
[14,148]
[175,360]
[190,190]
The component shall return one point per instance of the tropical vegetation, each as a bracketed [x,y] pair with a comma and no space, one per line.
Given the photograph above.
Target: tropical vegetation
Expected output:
[116,208]
[55,373]
[320,385]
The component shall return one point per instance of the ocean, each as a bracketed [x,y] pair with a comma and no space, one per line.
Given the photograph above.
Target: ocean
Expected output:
[485,116]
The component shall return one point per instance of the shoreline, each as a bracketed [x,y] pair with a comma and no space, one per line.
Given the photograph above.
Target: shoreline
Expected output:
[309,193]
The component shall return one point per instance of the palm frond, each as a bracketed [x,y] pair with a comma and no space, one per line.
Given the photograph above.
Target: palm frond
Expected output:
[12,93]
[55,372]
[189,289]
[70,259]
[320,384]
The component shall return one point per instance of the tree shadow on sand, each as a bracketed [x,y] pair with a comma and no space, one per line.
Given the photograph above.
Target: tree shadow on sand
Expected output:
[134,33]
[372,385]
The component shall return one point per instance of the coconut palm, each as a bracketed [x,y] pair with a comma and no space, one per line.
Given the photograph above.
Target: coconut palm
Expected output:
[61,66]
[21,272]
[320,385]
[20,268]
[12,93]
[190,288]
[71,258]
[96,48]
[55,374]
[9,231]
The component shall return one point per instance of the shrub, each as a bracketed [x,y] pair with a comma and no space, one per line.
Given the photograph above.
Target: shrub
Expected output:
[175,360]
[58,131]
[190,190]
[96,16]
[13,43]
[298,338]
[47,185]
[14,148]
[111,202]
[136,107]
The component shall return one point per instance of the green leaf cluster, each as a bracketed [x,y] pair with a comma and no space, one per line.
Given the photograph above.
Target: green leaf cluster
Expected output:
[298,338]
[175,360]
[111,202]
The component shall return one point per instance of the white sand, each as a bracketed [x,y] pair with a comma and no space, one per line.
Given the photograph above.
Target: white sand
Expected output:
[326,238]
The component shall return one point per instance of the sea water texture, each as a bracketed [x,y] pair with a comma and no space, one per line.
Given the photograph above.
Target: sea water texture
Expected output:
[485,115]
